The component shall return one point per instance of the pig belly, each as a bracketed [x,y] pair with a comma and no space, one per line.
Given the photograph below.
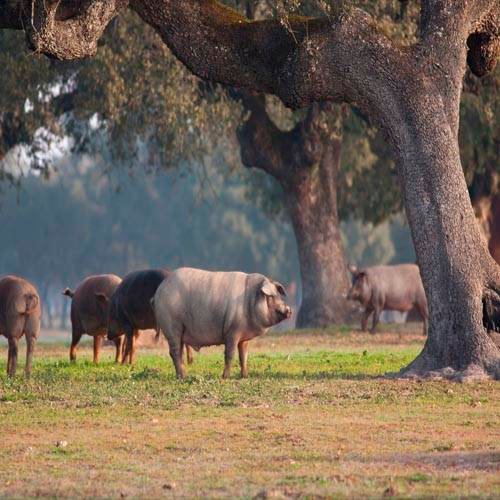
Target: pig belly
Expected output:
[396,304]
[200,339]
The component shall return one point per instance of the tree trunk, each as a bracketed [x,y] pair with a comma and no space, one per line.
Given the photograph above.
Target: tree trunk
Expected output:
[306,162]
[461,280]
[311,201]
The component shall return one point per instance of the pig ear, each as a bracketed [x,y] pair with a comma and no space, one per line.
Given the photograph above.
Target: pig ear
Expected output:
[353,269]
[267,288]
[281,288]
[101,298]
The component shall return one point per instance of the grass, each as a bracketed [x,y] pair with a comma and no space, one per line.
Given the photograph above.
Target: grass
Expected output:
[314,419]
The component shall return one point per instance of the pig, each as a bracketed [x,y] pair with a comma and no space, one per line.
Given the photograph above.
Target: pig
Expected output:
[203,308]
[397,288]
[130,309]
[89,312]
[20,313]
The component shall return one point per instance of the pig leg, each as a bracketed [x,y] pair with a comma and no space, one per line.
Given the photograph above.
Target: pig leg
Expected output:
[30,347]
[426,326]
[119,347]
[76,335]
[243,352]
[175,348]
[189,354]
[97,347]
[133,347]
[126,349]
[229,351]
[12,359]
[364,319]
[173,330]
[129,333]
[376,316]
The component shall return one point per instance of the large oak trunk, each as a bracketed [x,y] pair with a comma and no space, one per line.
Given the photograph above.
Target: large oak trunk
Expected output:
[461,280]
[311,200]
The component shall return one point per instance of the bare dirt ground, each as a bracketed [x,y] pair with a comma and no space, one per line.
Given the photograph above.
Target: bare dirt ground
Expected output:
[316,419]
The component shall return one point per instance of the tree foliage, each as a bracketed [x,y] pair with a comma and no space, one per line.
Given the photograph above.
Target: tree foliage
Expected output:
[135,99]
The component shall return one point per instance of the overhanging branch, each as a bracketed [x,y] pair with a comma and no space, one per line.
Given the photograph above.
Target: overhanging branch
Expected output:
[311,59]
[64,29]
[262,143]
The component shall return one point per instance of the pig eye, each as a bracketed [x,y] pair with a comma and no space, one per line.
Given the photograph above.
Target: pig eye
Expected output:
[280,288]
[360,277]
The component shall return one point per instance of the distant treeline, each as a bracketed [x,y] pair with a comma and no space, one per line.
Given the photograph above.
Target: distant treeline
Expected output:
[82,221]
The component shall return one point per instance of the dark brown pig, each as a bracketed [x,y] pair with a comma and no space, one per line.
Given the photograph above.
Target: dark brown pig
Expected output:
[20,312]
[130,308]
[89,312]
[396,288]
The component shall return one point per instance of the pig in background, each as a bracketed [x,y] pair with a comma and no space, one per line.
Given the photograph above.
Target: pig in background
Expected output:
[203,308]
[395,288]
[20,312]
[89,312]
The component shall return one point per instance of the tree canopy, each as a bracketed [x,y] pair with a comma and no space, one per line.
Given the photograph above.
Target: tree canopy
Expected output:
[136,100]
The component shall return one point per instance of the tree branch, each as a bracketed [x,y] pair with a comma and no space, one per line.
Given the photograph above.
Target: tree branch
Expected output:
[453,21]
[63,29]
[314,59]
[262,144]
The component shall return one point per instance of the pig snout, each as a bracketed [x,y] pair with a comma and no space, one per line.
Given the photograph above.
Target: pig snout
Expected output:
[285,312]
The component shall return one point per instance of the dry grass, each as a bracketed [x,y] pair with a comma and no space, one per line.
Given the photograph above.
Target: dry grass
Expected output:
[314,419]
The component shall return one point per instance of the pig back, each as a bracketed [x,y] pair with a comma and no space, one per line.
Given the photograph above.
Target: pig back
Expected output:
[133,297]
[400,286]
[208,304]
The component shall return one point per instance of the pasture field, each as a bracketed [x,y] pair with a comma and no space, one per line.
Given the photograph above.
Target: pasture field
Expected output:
[315,419]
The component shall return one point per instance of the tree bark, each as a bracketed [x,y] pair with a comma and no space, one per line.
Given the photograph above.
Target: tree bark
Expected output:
[461,280]
[311,201]
[305,161]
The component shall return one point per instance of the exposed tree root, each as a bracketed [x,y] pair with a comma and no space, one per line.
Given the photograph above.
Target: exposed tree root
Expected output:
[426,368]
[472,373]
